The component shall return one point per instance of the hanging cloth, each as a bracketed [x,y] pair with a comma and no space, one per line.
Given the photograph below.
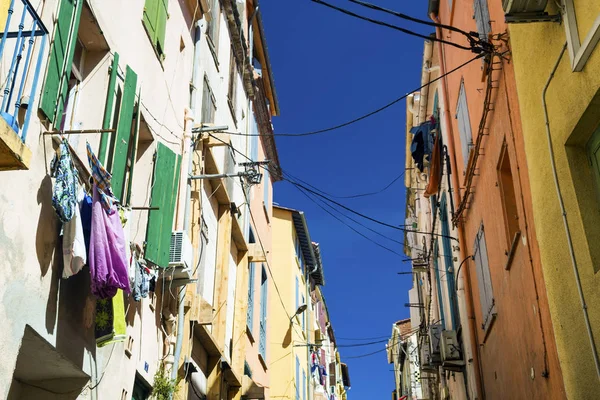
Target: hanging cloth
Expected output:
[101,179]
[64,194]
[435,169]
[110,326]
[107,261]
[86,220]
[74,248]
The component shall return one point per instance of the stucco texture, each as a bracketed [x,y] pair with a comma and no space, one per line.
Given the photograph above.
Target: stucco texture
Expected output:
[535,49]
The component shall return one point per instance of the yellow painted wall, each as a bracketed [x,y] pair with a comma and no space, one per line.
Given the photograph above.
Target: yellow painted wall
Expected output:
[4,4]
[536,47]
[282,335]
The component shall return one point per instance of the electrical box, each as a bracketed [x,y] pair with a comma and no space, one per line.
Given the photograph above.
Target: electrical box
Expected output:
[435,333]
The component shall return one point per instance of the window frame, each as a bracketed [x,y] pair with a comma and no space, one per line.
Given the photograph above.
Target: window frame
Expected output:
[506,186]
[208,94]
[212,30]
[154,19]
[232,87]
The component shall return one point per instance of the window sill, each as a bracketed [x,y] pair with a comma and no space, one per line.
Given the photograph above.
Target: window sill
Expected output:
[14,154]
[249,333]
[213,51]
[512,251]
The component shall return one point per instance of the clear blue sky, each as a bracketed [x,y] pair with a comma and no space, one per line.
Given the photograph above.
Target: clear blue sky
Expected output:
[329,68]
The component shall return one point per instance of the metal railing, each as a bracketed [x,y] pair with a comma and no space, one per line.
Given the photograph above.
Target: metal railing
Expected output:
[13,82]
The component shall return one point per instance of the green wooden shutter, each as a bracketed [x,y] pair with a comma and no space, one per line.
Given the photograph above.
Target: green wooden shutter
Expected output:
[123,136]
[161,25]
[61,59]
[150,17]
[164,195]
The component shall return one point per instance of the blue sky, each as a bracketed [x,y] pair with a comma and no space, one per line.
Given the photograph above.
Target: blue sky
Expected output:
[329,68]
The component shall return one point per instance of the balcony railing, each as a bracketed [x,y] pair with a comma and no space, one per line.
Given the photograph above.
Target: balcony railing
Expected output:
[21,42]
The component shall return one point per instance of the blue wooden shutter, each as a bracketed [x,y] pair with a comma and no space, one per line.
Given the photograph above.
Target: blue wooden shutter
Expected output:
[449,264]
[436,267]
[297,378]
[262,345]
[250,313]
[61,59]
[297,294]
[482,18]
[303,385]
[266,181]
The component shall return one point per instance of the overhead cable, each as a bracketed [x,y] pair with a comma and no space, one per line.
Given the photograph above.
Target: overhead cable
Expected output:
[472,37]
[365,116]
[403,30]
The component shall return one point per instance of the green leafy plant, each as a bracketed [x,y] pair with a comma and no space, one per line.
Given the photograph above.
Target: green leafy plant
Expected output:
[163,387]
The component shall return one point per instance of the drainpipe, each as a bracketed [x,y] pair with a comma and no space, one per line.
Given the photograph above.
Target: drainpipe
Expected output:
[564,216]
[461,235]
[424,97]
[188,158]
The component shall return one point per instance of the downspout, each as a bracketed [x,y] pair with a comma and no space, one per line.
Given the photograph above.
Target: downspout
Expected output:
[461,235]
[188,149]
[564,216]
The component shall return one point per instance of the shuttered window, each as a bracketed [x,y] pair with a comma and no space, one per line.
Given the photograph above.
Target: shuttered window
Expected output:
[332,378]
[297,294]
[212,28]
[266,182]
[481,14]
[164,194]
[56,85]
[209,103]
[464,123]
[484,280]
[232,87]
[303,385]
[155,21]
[121,162]
[253,138]
[250,314]
[262,343]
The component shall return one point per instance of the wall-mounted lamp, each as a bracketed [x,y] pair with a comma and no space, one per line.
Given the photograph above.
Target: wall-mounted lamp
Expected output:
[299,311]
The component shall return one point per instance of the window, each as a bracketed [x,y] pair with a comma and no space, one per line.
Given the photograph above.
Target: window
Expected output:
[449,264]
[254,138]
[484,280]
[209,103]
[464,123]
[297,299]
[509,200]
[60,63]
[232,89]
[167,166]
[262,344]
[155,21]
[299,253]
[212,28]
[303,315]
[481,15]
[250,313]
[593,153]
[297,378]
[266,182]
[436,267]
[141,391]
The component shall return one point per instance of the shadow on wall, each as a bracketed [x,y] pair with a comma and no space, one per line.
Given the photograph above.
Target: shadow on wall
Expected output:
[42,372]
[47,227]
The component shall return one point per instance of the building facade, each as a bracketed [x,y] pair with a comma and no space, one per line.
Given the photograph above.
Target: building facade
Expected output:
[558,106]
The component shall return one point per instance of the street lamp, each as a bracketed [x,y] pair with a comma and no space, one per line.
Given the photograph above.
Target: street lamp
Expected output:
[299,311]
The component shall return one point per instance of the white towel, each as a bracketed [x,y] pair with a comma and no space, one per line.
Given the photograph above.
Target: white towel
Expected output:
[74,251]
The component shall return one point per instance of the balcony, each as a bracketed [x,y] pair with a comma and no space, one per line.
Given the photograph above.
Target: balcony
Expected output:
[17,49]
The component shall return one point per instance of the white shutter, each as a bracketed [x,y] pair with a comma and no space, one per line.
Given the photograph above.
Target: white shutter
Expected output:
[464,123]
[486,293]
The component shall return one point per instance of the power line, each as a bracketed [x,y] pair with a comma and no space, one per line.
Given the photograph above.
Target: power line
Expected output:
[380,109]
[472,37]
[355,230]
[403,30]
[363,344]
[369,338]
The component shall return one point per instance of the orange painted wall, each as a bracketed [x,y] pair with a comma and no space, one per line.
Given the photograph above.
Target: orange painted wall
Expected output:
[512,357]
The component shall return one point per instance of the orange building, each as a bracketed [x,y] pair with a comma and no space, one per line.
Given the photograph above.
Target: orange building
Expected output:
[514,352]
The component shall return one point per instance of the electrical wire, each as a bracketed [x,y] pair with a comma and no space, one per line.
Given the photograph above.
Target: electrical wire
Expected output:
[369,338]
[365,116]
[472,37]
[403,30]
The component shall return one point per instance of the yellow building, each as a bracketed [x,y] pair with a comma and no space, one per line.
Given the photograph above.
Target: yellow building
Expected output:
[289,304]
[557,71]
